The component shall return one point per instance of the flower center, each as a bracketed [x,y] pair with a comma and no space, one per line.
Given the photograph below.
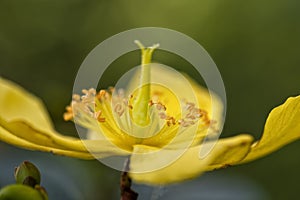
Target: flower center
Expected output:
[153,113]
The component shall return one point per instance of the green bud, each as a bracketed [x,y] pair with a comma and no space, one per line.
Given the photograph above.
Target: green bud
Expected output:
[42,191]
[28,174]
[21,192]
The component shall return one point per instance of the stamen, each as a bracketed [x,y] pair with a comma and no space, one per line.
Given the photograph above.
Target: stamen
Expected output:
[76,97]
[162,115]
[101,94]
[69,114]
[160,106]
[111,89]
[84,106]
[119,109]
[194,115]
[98,116]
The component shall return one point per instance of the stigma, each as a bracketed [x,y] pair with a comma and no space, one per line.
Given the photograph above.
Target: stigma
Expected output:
[140,111]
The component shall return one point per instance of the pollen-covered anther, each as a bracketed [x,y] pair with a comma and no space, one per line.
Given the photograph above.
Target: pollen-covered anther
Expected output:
[112,89]
[83,107]
[170,121]
[129,102]
[119,109]
[150,103]
[68,115]
[190,105]
[192,115]
[160,106]
[89,92]
[69,109]
[162,115]
[97,116]
[89,96]
[205,119]
[76,97]
[101,94]
[119,103]
[185,123]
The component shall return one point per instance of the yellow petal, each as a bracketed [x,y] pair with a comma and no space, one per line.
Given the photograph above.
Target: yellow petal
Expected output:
[9,138]
[281,128]
[234,155]
[25,123]
[25,116]
[150,165]
[16,104]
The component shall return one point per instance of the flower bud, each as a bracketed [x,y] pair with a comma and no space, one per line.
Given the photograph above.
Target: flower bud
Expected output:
[21,192]
[27,174]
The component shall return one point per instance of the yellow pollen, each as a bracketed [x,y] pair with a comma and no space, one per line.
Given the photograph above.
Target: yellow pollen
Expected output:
[100,94]
[98,116]
[68,115]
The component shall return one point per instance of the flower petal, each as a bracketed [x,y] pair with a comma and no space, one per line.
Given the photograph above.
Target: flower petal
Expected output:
[17,104]
[233,155]
[25,123]
[146,162]
[9,138]
[281,128]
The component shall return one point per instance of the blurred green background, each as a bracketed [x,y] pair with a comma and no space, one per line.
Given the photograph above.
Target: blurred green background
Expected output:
[255,44]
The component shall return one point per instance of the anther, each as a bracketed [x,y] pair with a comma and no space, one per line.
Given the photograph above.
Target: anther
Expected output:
[162,115]
[84,91]
[111,89]
[76,97]
[97,116]
[119,109]
[160,106]
[150,103]
[69,108]
[100,94]
[68,116]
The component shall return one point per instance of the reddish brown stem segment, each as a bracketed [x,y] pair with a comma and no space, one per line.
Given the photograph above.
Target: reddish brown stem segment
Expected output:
[125,184]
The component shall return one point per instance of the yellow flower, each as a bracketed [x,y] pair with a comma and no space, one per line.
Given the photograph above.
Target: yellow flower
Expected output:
[147,124]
